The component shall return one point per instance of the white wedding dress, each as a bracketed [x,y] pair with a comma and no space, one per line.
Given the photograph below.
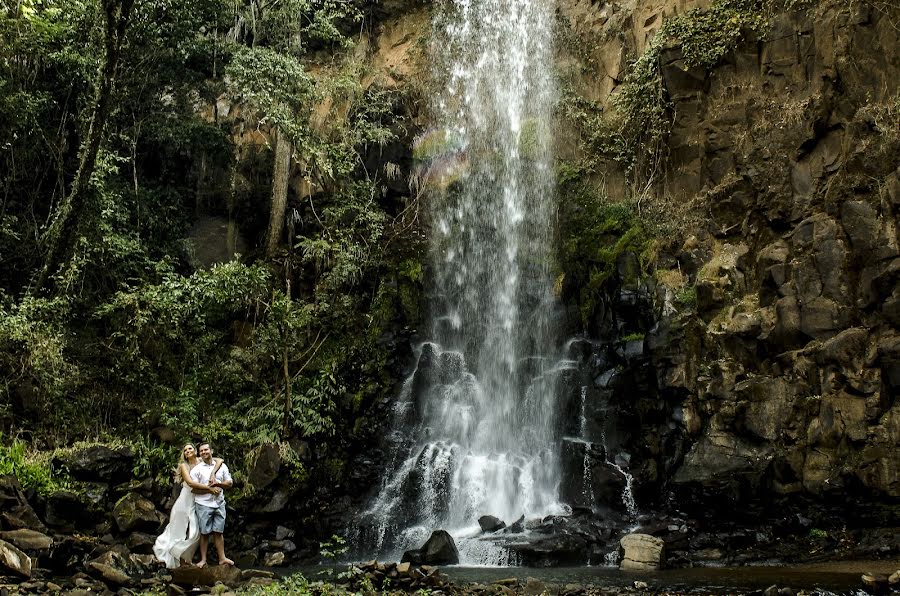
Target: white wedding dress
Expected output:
[180,538]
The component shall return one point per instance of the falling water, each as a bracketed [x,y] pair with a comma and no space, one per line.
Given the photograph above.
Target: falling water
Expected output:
[586,479]
[628,491]
[475,431]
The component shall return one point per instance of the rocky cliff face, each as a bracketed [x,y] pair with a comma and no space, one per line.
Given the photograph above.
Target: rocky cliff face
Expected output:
[770,366]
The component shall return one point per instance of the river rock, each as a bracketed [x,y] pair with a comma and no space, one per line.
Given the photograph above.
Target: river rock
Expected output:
[27,539]
[642,552]
[110,574]
[273,559]
[134,512]
[206,576]
[265,467]
[875,583]
[533,587]
[15,511]
[439,549]
[140,542]
[278,501]
[489,523]
[99,463]
[14,559]
[65,509]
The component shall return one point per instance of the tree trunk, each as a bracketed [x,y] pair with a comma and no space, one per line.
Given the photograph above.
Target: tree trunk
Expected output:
[280,178]
[285,360]
[60,236]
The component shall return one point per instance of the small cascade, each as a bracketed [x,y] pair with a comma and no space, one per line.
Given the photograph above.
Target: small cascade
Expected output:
[627,492]
[588,489]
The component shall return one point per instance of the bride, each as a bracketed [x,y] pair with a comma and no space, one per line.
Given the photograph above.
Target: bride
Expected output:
[176,545]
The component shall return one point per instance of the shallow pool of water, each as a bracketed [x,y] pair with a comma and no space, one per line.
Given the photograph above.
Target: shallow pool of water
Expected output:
[717,580]
[842,577]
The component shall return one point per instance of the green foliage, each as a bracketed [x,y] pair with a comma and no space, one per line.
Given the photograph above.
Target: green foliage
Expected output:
[292,26]
[333,548]
[292,584]
[705,36]
[817,534]
[602,136]
[636,336]
[687,297]
[597,232]
[167,342]
[353,227]
[244,353]
[33,347]
[32,470]
[277,86]
[152,460]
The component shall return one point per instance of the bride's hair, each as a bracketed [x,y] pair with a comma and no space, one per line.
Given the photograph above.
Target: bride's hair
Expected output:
[183,458]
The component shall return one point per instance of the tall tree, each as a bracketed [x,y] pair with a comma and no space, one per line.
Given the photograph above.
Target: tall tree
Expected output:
[59,238]
[280,178]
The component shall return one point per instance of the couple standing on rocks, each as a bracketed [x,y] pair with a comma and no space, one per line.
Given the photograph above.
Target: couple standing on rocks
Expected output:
[199,511]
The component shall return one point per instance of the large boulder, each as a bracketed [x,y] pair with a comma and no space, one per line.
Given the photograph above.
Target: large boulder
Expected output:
[65,509]
[99,464]
[14,559]
[113,567]
[489,523]
[553,550]
[642,552]
[265,467]
[134,512]
[15,511]
[439,549]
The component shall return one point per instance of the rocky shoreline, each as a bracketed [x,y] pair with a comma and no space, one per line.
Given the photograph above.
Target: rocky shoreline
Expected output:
[106,575]
[98,537]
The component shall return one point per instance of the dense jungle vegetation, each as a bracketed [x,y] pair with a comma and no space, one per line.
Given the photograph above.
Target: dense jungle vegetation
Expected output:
[112,148]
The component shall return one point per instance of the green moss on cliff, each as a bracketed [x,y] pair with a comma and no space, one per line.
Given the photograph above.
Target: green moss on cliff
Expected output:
[596,232]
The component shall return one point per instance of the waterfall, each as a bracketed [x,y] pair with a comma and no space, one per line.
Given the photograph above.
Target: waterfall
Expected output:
[475,429]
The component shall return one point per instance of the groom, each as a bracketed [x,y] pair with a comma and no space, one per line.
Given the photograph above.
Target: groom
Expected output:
[211,506]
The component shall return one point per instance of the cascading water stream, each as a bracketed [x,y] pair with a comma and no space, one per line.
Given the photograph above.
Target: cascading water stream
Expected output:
[587,489]
[475,429]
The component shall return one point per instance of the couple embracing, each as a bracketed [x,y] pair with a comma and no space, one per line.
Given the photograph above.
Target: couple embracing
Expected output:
[199,512]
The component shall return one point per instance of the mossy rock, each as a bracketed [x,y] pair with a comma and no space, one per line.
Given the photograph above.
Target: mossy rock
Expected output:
[134,512]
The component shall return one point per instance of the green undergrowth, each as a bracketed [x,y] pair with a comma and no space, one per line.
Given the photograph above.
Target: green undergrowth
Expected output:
[31,468]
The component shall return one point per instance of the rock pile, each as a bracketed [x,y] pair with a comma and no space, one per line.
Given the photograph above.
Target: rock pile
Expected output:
[402,576]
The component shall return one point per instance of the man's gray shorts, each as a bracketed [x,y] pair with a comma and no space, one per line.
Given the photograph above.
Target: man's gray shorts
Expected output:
[211,519]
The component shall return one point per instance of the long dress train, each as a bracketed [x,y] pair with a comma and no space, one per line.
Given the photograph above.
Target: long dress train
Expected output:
[180,538]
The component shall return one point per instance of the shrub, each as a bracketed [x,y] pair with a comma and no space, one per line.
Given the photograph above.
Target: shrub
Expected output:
[31,469]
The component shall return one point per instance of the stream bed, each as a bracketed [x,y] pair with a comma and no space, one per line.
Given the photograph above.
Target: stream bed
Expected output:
[839,577]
